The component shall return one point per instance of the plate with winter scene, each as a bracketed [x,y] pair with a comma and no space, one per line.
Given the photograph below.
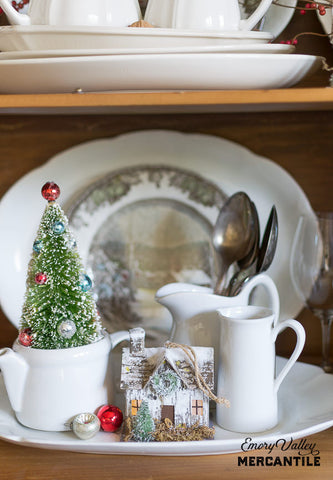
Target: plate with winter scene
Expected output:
[305,407]
[142,227]
[167,156]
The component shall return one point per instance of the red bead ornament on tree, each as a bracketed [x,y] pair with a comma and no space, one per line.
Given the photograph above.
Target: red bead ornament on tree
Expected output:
[111,418]
[50,191]
[41,278]
[25,337]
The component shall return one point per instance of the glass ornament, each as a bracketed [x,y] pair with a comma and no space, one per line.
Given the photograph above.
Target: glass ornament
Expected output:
[50,191]
[40,278]
[58,228]
[85,283]
[37,246]
[85,425]
[25,337]
[111,418]
[66,328]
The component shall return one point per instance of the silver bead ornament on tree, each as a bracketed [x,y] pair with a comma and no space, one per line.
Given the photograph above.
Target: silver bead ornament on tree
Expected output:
[66,328]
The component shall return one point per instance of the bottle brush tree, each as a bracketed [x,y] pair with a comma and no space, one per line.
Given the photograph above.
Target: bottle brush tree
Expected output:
[59,310]
[143,424]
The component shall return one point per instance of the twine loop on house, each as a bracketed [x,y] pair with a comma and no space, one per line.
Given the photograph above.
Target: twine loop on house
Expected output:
[202,385]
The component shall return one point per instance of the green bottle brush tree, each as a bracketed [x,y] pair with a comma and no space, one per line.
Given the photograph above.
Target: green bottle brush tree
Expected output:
[59,310]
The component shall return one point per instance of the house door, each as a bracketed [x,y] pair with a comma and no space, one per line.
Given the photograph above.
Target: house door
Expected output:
[168,411]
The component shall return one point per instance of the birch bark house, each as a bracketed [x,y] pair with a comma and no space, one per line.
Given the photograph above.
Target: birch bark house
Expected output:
[165,378]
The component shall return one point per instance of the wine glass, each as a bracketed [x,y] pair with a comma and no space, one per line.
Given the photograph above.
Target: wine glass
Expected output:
[311,269]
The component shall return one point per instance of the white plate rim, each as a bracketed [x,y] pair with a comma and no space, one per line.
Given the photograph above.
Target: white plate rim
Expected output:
[237,58]
[168,32]
[239,48]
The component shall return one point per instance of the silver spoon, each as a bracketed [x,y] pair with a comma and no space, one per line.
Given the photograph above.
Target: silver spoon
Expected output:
[247,264]
[269,242]
[267,248]
[232,233]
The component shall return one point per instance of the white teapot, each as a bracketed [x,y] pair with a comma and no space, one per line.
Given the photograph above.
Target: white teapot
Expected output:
[222,15]
[112,13]
[48,388]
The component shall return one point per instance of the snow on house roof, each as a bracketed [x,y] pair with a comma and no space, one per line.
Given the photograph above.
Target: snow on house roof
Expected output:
[138,369]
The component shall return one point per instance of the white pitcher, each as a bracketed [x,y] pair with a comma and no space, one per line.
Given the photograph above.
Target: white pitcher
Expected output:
[246,367]
[222,15]
[194,308]
[114,13]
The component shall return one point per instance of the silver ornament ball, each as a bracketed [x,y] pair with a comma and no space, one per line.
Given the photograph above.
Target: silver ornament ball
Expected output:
[67,328]
[86,425]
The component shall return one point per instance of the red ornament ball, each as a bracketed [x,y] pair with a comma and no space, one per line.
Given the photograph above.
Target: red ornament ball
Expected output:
[40,278]
[25,337]
[111,418]
[50,191]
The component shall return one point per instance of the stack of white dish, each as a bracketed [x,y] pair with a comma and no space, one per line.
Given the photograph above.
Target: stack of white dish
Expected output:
[63,59]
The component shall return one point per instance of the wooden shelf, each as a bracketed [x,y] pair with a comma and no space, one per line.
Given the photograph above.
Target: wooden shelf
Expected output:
[170,102]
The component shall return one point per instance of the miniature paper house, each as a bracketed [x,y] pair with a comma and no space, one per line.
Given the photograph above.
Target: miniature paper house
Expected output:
[165,379]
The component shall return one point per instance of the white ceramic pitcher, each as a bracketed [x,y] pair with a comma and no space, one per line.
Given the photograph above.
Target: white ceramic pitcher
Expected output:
[47,388]
[246,367]
[194,308]
[113,13]
[222,15]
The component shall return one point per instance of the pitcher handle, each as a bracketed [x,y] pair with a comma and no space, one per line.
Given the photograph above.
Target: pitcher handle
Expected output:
[118,337]
[14,17]
[249,23]
[266,281]
[300,333]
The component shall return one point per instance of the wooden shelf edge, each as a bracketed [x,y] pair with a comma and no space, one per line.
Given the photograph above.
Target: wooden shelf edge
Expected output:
[225,100]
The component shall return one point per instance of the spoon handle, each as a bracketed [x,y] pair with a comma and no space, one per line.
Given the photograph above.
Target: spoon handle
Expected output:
[219,287]
[237,281]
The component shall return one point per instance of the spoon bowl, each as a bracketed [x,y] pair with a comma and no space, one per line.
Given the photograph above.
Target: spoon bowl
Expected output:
[265,254]
[233,233]
[268,245]
[246,265]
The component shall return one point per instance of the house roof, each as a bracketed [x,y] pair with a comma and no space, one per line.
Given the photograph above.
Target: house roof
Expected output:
[137,370]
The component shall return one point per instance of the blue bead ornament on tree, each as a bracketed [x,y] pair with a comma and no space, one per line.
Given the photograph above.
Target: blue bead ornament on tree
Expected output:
[85,283]
[58,228]
[37,246]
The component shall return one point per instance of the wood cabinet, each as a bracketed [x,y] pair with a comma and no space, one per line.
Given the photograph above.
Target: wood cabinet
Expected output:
[292,127]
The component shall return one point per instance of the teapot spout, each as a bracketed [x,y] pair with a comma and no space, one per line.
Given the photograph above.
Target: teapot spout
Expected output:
[14,17]
[14,369]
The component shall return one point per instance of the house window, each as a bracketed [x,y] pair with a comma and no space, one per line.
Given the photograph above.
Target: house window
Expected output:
[197,407]
[135,404]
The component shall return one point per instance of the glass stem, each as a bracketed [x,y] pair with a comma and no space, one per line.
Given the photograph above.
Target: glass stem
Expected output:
[326,322]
